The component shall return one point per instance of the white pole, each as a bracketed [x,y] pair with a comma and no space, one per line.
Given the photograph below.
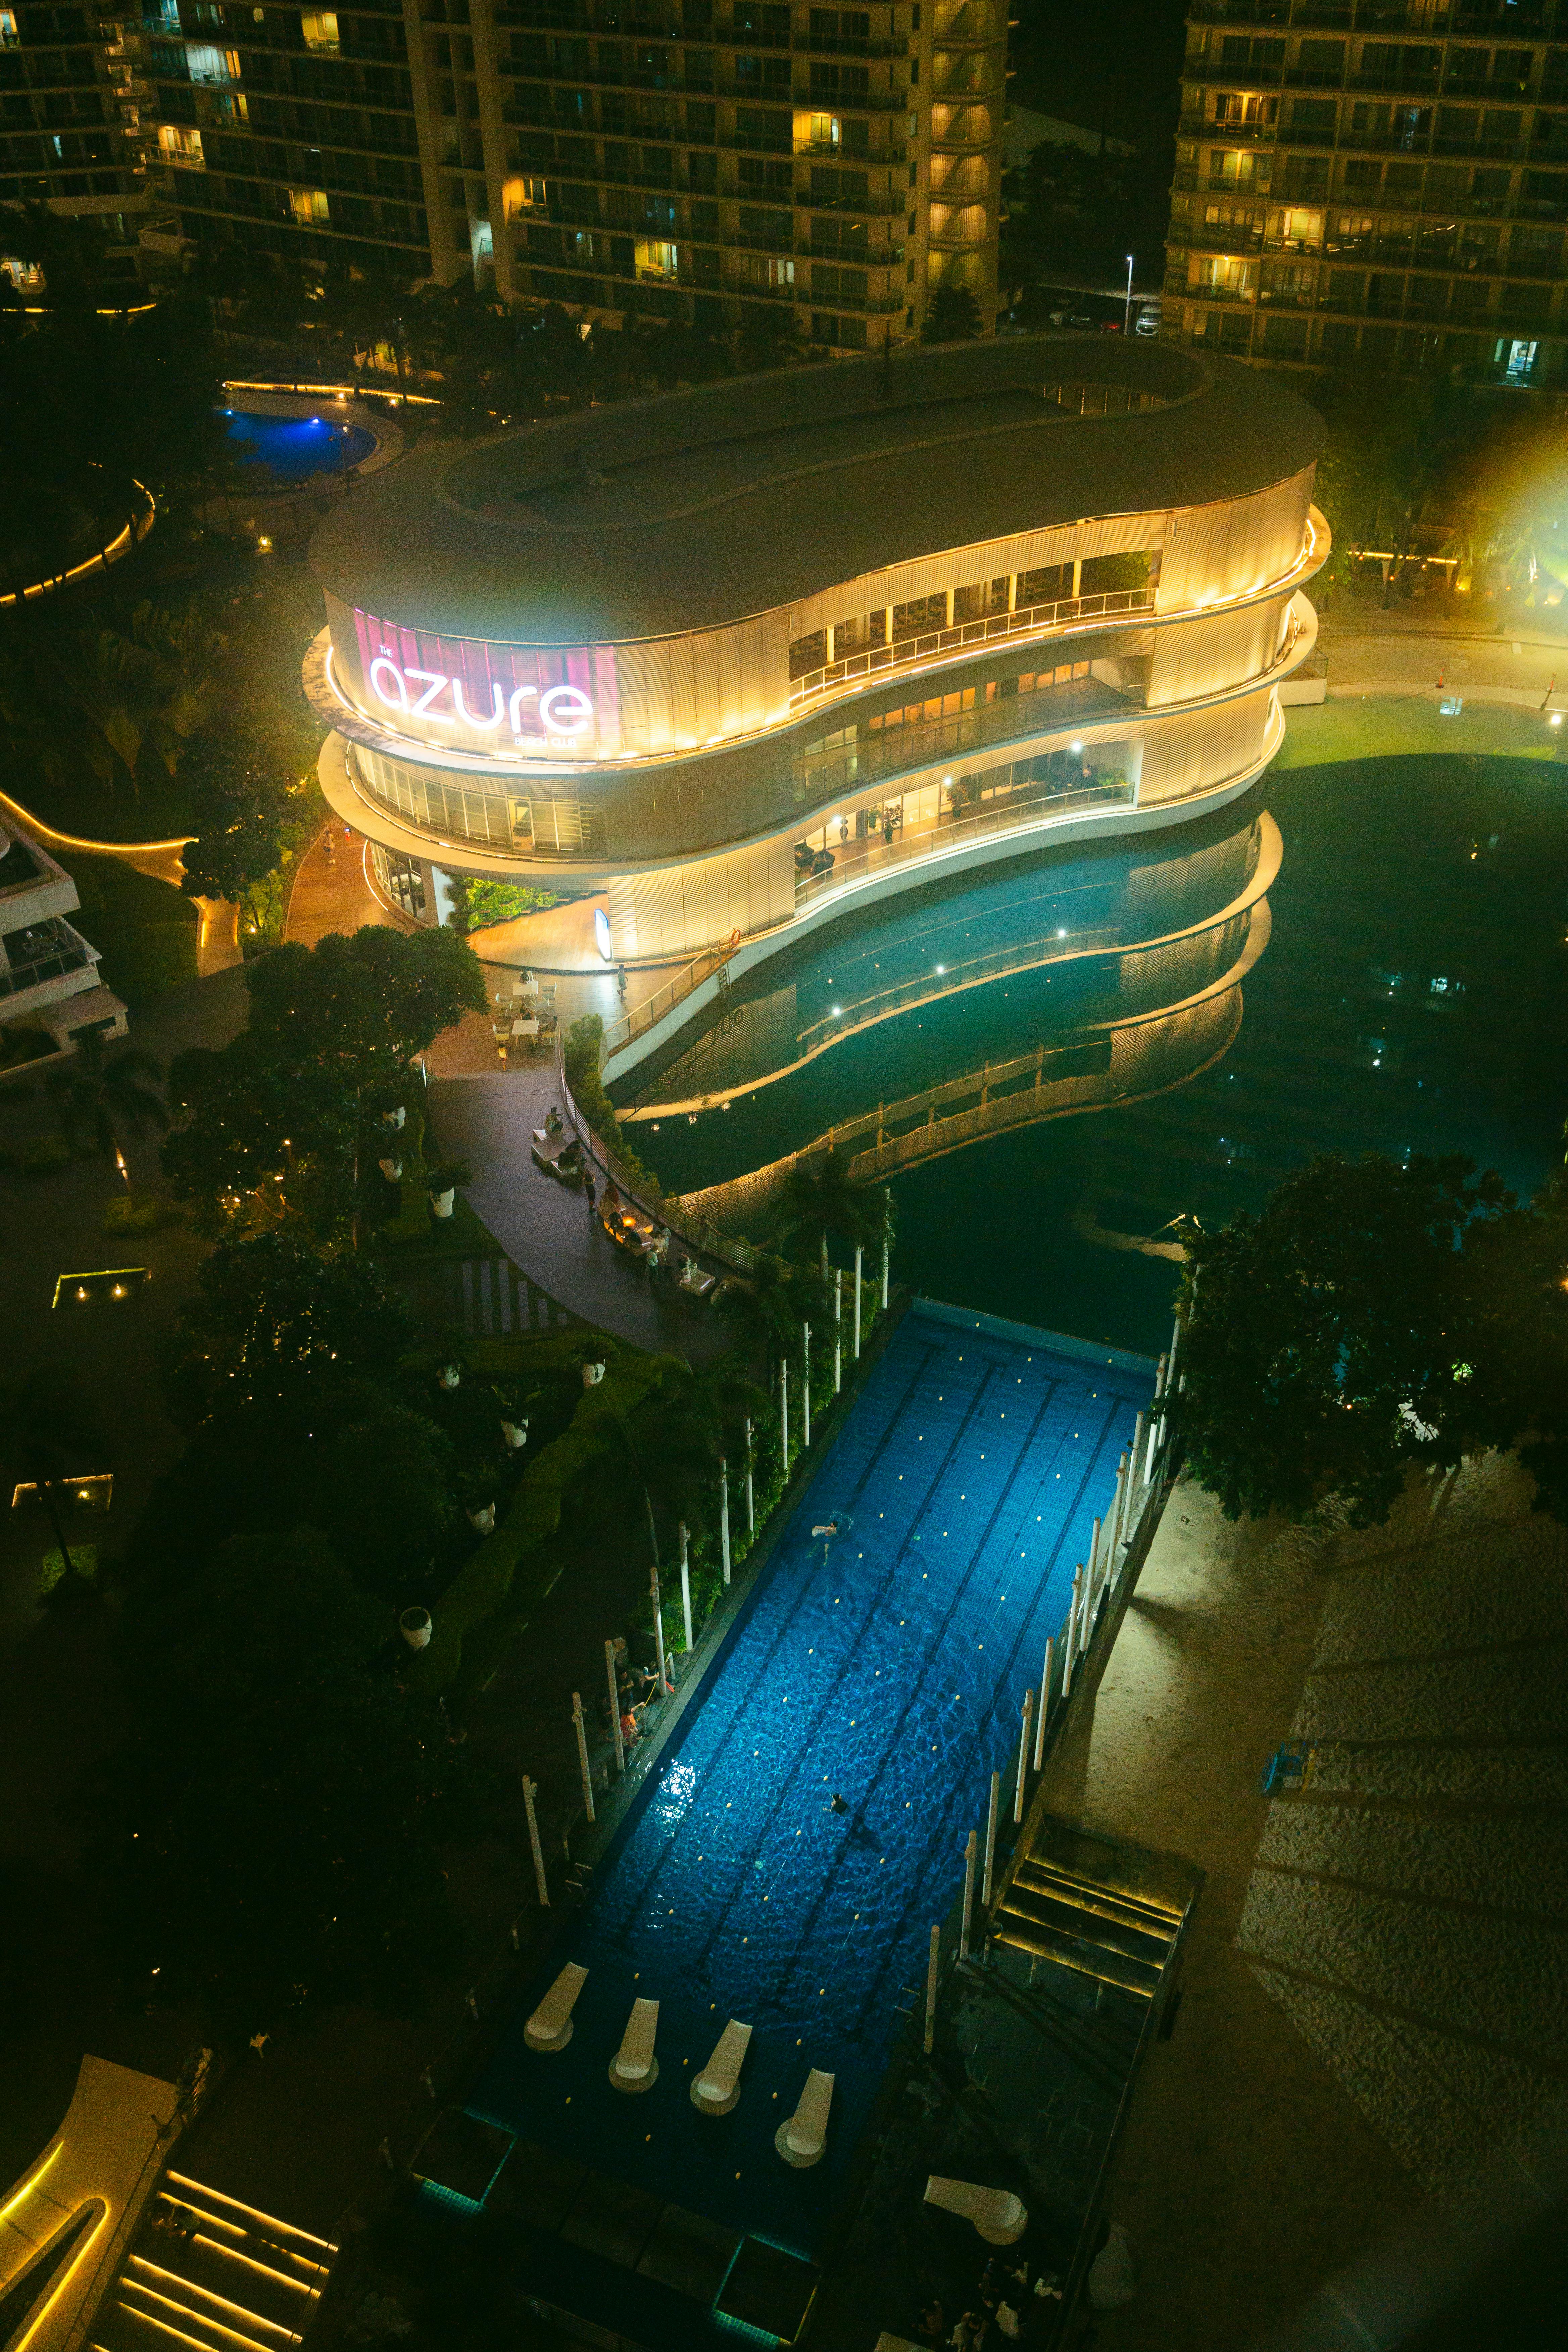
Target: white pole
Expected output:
[1070,1635]
[1093,1557]
[658,1629]
[1160,1378]
[1127,311]
[932,1966]
[991,1838]
[724,1515]
[750,1497]
[784,1412]
[971,1856]
[686,1583]
[1118,1514]
[615,1706]
[583,1754]
[539,1876]
[805,1385]
[857,1253]
[1138,1429]
[884,1272]
[1022,1757]
[1170,1358]
[838,1329]
[1045,1710]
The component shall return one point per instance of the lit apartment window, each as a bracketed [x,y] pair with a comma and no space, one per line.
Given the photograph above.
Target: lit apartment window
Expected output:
[309,206]
[320,26]
[9,36]
[178,145]
[655,258]
[780,273]
[817,130]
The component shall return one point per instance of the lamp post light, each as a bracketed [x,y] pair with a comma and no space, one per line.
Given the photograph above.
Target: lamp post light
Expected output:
[1127,313]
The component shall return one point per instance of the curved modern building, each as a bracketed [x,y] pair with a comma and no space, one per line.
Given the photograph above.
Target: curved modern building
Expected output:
[729,663]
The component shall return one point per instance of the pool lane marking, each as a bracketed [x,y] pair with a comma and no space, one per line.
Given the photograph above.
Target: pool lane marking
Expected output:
[980,1731]
[829,1698]
[915,1694]
[918,1874]
[747,1698]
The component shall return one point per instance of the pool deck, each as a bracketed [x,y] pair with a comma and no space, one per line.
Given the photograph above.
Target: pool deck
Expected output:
[970,1470]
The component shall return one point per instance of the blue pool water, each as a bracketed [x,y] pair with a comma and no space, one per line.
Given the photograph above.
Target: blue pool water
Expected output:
[292,449]
[889,1666]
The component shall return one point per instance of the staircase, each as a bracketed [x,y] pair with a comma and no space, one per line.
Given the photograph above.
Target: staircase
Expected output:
[208,2272]
[1069,1902]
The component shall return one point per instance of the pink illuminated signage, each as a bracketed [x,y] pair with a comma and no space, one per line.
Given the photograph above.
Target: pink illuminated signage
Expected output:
[471,695]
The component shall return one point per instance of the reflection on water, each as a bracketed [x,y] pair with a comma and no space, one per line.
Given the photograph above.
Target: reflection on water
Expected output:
[1413,997]
[1057,984]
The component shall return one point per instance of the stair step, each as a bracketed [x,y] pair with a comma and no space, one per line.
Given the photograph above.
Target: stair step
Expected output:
[1026,1935]
[183,2282]
[1090,1924]
[175,2315]
[1112,1902]
[233,2261]
[284,2235]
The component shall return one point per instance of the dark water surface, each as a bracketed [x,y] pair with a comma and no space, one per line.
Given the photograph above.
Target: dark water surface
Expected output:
[1413,997]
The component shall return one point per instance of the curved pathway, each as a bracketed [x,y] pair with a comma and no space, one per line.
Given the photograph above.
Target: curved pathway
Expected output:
[217,936]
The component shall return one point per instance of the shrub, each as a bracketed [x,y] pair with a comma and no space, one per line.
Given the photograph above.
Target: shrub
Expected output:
[136,1212]
[42,1155]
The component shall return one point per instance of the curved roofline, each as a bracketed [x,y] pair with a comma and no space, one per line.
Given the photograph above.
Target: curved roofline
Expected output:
[692,510]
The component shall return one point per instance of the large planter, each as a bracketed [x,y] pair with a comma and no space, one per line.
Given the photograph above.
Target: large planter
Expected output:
[449,1376]
[482,1519]
[394,1118]
[391,1169]
[414,1627]
[441,1203]
[514,1433]
[592,1375]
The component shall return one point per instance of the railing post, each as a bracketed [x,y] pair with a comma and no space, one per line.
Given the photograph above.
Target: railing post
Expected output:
[991,1838]
[857,1255]
[805,1385]
[750,1496]
[615,1705]
[1022,1757]
[971,1856]
[837,1329]
[783,1410]
[583,1754]
[724,1515]
[1044,1707]
[685,1585]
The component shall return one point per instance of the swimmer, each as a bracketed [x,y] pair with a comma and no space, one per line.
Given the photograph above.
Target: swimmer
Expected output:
[837,1804]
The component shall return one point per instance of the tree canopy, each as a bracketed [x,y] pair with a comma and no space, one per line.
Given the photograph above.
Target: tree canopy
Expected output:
[1375,1317]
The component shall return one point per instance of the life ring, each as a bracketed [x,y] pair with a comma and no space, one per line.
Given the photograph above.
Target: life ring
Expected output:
[734,939]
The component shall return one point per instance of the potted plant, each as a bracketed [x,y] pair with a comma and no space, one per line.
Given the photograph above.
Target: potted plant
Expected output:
[481,1517]
[442,1181]
[395,1117]
[414,1627]
[593,1373]
[449,1375]
[391,1169]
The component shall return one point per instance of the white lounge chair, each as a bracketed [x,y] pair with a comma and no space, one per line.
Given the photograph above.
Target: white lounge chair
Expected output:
[803,2138]
[718,2088]
[549,2027]
[999,2216]
[634,2066]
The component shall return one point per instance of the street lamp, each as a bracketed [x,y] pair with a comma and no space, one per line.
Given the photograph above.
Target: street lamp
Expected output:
[1127,313]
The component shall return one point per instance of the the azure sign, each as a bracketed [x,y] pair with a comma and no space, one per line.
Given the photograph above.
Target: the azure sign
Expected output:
[563,710]
[471,695]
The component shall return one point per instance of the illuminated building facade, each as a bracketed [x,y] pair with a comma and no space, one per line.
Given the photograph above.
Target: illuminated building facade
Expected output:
[737,661]
[759,163]
[68,125]
[1367,177]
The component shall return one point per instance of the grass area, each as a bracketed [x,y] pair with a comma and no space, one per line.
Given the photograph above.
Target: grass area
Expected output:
[144,930]
[460,1236]
[1383,725]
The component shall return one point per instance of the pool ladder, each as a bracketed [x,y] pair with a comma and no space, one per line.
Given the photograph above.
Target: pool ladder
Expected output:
[1056,1913]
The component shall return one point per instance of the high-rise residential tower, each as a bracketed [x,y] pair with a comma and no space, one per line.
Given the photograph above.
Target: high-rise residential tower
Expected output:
[1387,178]
[68,121]
[713,160]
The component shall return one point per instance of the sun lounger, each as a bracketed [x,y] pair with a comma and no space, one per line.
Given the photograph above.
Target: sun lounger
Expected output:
[634,2066]
[718,2088]
[697,1285]
[549,2027]
[999,2216]
[802,2140]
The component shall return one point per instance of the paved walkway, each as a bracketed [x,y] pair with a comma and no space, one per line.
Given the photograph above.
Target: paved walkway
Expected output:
[1372,1990]
[333,894]
[218,938]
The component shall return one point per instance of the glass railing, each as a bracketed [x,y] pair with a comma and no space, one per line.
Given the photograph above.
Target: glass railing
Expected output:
[906,653]
[48,951]
[867,858]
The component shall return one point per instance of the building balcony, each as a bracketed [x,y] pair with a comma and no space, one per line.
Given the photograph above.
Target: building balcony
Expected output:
[913,653]
[1201,238]
[1206,126]
[36,961]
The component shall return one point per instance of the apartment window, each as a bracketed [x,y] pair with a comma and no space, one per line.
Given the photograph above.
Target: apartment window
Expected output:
[818,129]
[309,206]
[1044,587]
[922,613]
[780,272]
[982,598]
[320,26]
[655,257]
[1225,164]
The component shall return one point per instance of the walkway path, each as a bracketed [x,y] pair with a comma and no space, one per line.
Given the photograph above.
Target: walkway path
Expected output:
[332,894]
[218,939]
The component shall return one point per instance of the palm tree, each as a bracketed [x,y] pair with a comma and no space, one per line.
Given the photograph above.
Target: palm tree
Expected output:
[98,1093]
[763,1313]
[821,1199]
[48,1423]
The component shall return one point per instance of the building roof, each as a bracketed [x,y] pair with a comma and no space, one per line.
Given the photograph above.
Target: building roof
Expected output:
[694,509]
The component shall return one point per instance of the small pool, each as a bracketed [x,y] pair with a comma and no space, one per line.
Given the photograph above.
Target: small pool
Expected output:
[887,1665]
[292,449]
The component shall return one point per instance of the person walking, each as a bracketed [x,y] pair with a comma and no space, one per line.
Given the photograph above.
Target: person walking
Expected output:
[590,1189]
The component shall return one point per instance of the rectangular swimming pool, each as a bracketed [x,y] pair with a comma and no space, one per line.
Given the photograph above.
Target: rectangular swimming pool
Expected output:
[885,1666]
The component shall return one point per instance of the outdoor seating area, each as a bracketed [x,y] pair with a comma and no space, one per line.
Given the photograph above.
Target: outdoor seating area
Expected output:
[525,1015]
